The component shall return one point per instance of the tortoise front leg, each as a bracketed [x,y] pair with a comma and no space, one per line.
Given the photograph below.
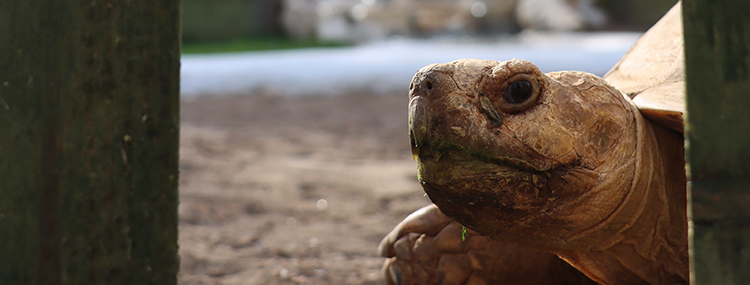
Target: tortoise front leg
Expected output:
[427,248]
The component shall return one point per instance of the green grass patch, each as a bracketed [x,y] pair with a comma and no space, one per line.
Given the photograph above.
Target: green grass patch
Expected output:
[254,44]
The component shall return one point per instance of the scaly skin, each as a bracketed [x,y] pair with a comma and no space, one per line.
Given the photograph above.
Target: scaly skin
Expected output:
[428,248]
[575,170]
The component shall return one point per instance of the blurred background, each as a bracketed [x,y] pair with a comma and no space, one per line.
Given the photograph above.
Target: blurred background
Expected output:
[403,35]
[272,24]
[294,151]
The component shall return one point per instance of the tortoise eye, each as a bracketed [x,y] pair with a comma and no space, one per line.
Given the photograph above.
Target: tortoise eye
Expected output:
[518,92]
[514,94]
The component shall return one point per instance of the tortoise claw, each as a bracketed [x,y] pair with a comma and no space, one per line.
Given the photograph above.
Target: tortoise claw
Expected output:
[427,248]
[428,220]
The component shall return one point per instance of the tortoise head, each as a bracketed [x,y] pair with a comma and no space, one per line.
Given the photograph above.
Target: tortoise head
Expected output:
[511,152]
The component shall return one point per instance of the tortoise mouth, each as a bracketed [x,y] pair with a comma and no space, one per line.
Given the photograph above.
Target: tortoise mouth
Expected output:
[508,191]
[467,172]
[447,153]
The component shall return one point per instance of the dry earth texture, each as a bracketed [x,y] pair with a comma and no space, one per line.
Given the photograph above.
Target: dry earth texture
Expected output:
[254,169]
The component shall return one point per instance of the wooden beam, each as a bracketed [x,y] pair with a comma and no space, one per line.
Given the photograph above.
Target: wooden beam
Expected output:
[89,133]
[717,59]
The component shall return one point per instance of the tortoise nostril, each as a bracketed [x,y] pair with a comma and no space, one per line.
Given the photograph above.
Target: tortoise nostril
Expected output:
[411,85]
[428,84]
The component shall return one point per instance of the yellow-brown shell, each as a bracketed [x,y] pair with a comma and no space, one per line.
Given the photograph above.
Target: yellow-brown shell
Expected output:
[651,72]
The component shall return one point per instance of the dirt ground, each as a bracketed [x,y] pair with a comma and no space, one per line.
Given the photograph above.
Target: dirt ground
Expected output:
[278,190]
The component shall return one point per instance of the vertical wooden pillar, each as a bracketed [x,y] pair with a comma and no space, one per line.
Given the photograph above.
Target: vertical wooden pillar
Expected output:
[717,58]
[89,133]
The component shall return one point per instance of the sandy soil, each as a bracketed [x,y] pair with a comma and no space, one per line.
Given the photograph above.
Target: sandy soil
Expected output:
[278,190]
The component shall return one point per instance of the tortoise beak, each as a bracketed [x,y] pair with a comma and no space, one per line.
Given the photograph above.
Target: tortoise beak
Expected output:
[430,85]
[417,125]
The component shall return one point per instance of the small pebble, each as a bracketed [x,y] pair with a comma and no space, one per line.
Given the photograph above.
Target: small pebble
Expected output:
[322,204]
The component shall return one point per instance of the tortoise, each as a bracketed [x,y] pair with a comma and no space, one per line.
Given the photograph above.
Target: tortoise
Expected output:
[557,178]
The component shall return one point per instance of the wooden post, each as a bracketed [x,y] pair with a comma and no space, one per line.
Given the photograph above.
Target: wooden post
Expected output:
[717,59]
[89,133]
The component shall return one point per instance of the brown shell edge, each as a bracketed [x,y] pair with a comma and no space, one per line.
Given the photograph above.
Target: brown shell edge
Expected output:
[651,72]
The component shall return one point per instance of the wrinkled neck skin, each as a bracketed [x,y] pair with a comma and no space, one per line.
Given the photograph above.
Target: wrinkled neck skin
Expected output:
[644,241]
